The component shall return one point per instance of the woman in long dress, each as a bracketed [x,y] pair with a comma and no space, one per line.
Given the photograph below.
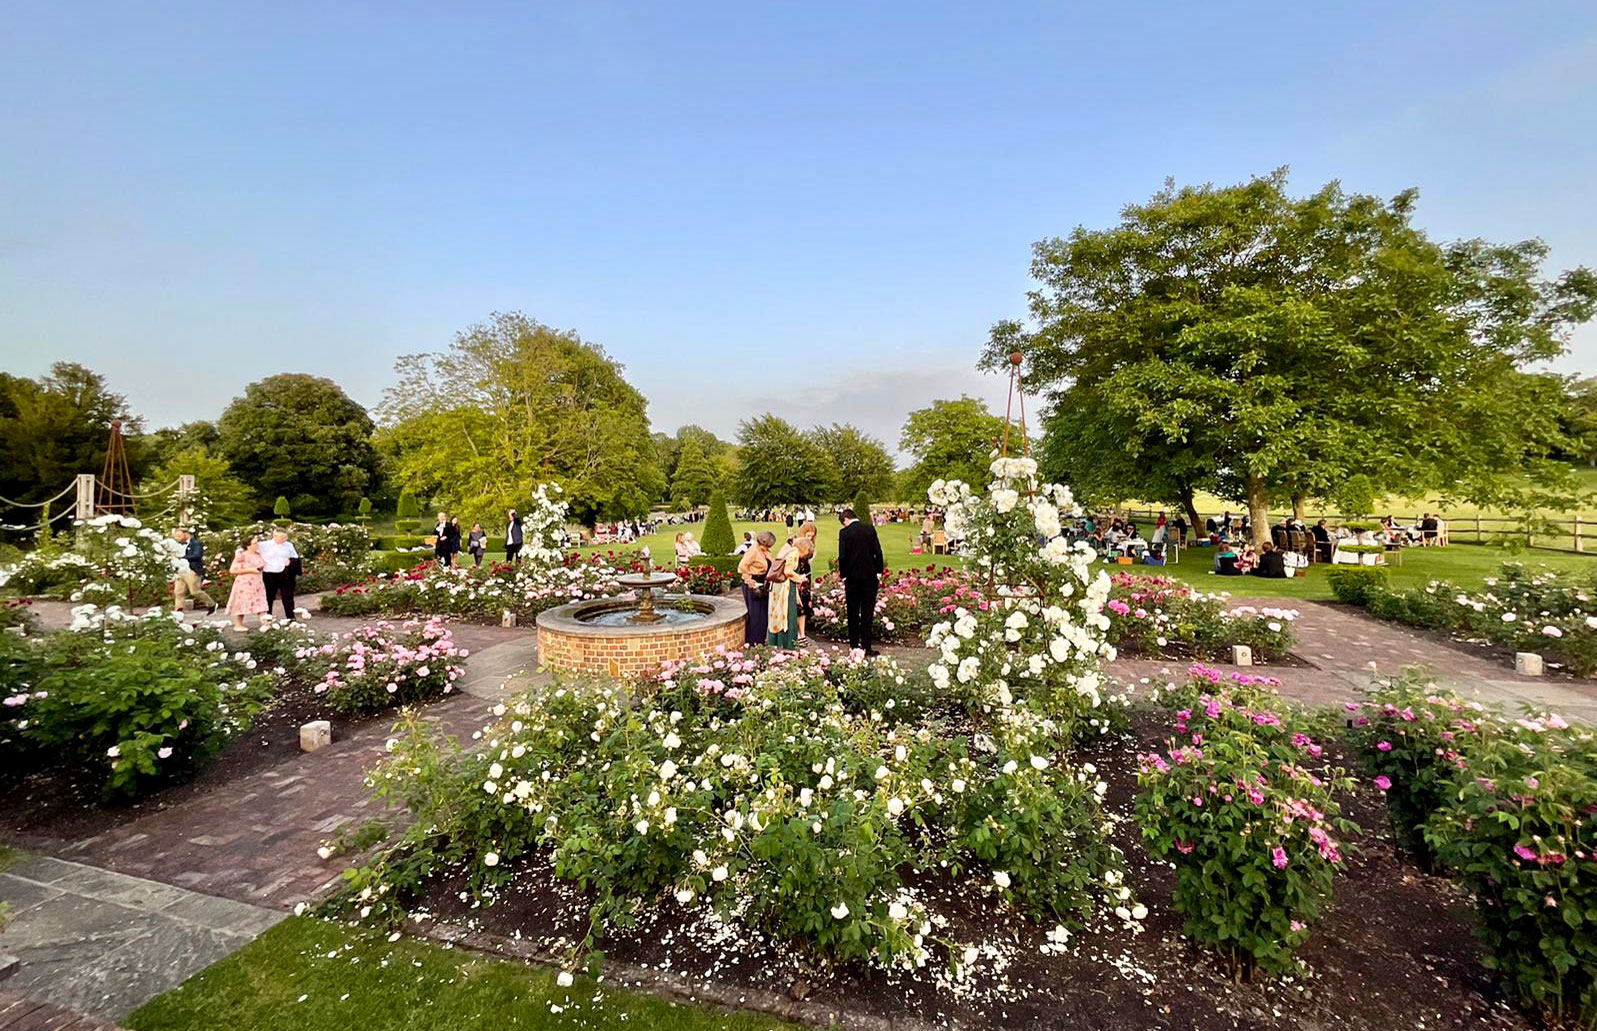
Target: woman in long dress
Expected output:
[782,616]
[752,568]
[249,590]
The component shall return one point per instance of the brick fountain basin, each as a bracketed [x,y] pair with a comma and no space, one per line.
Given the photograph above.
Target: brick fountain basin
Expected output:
[568,639]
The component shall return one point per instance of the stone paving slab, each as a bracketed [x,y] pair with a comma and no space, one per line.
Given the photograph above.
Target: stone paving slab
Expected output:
[101,943]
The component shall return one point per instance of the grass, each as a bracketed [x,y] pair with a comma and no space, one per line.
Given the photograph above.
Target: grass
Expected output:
[1466,563]
[310,975]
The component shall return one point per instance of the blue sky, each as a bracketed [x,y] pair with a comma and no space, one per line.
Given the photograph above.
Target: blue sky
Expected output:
[815,208]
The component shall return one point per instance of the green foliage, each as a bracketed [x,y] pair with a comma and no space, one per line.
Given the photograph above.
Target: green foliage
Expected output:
[408,509]
[862,507]
[396,541]
[720,563]
[1158,615]
[1415,739]
[1264,347]
[399,665]
[138,703]
[1517,831]
[301,437]
[57,426]
[512,404]
[779,466]
[1247,818]
[1354,584]
[282,510]
[794,797]
[695,478]
[950,440]
[718,539]
[224,499]
[862,464]
[365,509]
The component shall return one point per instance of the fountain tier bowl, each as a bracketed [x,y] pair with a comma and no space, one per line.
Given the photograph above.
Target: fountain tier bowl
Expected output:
[596,636]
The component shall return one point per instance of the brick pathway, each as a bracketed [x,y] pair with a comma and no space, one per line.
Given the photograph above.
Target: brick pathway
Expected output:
[255,839]
[20,1013]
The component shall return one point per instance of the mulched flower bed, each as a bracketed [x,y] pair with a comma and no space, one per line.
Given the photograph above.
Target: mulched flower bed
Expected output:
[60,806]
[1394,951]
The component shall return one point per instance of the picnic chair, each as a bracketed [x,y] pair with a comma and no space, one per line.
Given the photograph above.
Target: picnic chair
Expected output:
[939,542]
[1302,543]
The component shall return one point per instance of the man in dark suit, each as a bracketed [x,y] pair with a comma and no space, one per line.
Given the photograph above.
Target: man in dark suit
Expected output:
[861,565]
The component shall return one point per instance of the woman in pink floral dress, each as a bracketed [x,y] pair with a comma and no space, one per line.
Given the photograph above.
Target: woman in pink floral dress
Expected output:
[249,591]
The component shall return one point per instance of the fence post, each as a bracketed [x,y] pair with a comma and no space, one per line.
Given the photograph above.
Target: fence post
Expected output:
[1478,538]
[84,507]
[1577,535]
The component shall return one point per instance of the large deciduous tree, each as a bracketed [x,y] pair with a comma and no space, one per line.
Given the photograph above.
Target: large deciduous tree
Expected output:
[950,440]
[53,428]
[301,437]
[778,465]
[514,403]
[1271,348]
[861,461]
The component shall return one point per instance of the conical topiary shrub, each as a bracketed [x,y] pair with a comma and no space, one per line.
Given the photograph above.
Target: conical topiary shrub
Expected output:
[718,539]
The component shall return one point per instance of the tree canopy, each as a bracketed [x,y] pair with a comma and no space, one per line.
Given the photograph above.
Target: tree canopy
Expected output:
[55,427]
[695,477]
[860,461]
[950,440]
[513,403]
[778,465]
[1268,348]
[301,437]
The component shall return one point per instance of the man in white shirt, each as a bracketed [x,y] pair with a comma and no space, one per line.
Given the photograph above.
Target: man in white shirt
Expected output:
[278,574]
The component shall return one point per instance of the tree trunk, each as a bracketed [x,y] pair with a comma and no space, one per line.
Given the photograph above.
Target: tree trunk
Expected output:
[1298,502]
[1190,506]
[1258,509]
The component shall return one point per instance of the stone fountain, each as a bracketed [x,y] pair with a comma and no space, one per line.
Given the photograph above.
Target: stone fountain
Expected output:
[631,633]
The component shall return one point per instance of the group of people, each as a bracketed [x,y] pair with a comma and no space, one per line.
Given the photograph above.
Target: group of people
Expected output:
[263,571]
[778,585]
[449,542]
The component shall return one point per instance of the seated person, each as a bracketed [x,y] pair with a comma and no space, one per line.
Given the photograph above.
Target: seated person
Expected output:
[1322,541]
[1247,558]
[1211,526]
[1281,534]
[1272,563]
[1225,561]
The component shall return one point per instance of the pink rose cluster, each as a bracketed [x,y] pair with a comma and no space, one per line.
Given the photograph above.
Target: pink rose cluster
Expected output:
[384,664]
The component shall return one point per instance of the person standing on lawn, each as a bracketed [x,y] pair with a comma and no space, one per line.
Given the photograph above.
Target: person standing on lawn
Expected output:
[477,543]
[756,562]
[188,557]
[860,563]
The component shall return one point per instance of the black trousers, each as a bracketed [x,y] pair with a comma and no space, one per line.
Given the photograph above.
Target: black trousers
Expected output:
[279,584]
[859,595]
[511,551]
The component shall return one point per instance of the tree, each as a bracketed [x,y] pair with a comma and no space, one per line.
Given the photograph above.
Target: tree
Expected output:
[1269,348]
[514,403]
[303,438]
[364,509]
[282,509]
[55,427]
[718,539]
[778,465]
[951,440]
[862,462]
[227,500]
[695,477]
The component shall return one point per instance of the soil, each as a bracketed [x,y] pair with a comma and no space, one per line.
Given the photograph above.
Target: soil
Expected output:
[1393,950]
[62,805]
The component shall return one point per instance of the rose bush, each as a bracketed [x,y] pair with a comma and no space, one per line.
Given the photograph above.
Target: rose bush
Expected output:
[1241,804]
[1522,608]
[1519,828]
[114,560]
[909,603]
[131,702]
[383,665]
[1160,615]
[802,793]
[477,594]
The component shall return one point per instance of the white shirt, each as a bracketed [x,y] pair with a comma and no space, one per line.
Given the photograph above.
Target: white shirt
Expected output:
[276,555]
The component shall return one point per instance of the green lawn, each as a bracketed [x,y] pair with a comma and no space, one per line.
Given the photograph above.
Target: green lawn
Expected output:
[895,537]
[1462,562]
[310,975]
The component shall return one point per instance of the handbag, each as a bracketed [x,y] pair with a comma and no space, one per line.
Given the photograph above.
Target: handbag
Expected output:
[777,571]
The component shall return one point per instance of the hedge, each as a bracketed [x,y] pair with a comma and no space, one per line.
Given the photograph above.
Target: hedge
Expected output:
[1353,584]
[393,542]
